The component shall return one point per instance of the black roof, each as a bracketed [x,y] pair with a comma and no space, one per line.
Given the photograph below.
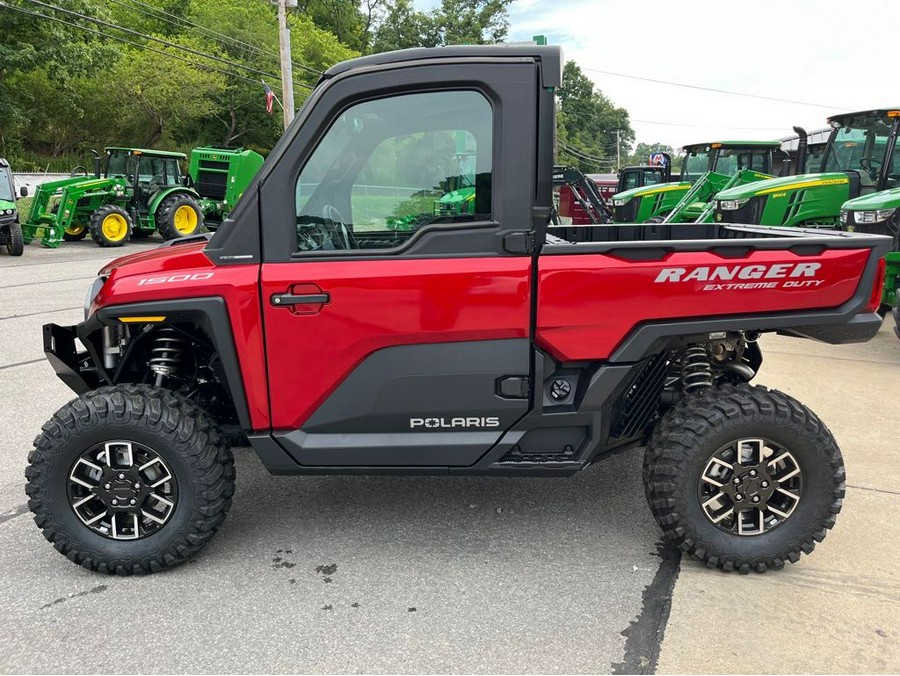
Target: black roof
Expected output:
[550,55]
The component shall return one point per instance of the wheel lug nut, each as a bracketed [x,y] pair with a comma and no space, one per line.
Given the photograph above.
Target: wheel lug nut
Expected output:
[137,486]
[107,486]
[121,476]
[764,484]
[738,497]
[752,472]
[115,502]
[737,480]
[133,501]
[755,498]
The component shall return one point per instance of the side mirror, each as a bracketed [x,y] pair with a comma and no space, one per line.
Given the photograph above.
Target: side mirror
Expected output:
[23,191]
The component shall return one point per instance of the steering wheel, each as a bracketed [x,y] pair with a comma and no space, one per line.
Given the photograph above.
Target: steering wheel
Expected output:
[331,213]
[870,165]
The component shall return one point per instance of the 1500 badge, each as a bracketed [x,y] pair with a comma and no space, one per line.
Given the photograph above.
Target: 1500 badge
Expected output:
[196,277]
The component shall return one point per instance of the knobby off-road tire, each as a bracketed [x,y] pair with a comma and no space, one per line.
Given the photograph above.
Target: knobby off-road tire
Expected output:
[110,226]
[179,215]
[188,446]
[15,243]
[692,432]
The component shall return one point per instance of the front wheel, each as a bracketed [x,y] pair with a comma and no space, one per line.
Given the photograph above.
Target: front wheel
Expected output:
[15,243]
[129,479]
[75,232]
[743,478]
[110,226]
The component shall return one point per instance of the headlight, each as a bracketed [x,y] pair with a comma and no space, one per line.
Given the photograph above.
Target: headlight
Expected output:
[8,212]
[621,203]
[868,217]
[92,294]
[844,217]
[732,205]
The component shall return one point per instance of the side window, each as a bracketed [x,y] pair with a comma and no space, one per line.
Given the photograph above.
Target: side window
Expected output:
[389,167]
[172,172]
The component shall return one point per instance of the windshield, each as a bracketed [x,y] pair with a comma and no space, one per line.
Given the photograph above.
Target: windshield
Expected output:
[6,188]
[732,160]
[694,164]
[121,164]
[860,145]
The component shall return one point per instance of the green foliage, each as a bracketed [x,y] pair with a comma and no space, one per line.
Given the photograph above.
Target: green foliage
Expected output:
[588,122]
[454,22]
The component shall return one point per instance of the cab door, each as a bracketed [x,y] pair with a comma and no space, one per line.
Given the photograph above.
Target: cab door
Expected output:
[396,320]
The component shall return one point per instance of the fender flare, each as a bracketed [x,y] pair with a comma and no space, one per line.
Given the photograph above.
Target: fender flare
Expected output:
[210,314]
[157,199]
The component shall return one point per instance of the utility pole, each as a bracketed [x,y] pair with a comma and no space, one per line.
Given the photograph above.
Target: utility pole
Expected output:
[287,74]
[618,147]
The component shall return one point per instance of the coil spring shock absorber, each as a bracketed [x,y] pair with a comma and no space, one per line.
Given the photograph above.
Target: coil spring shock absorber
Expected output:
[696,370]
[165,355]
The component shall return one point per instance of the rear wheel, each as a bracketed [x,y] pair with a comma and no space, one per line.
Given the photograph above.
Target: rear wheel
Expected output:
[179,215]
[15,244]
[110,226]
[743,478]
[129,479]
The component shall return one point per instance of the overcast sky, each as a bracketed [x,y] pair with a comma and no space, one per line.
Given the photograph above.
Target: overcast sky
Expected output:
[839,55]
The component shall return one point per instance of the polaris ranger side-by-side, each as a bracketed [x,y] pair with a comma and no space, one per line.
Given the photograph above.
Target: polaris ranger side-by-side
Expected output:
[472,343]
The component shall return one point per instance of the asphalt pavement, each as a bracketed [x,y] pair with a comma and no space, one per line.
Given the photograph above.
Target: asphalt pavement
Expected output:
[438,575]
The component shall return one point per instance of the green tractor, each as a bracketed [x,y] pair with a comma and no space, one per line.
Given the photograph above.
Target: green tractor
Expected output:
[859,160]
[706,168]
[139,192]
[702,169]
[220,176]
[10,230]
[858,188]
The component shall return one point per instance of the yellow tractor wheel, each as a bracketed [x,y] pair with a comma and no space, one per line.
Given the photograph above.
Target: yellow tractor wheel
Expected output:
[110,226]
[75,232]
[178,216]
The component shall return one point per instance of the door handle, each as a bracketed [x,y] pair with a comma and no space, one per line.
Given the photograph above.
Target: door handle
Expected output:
[287,299]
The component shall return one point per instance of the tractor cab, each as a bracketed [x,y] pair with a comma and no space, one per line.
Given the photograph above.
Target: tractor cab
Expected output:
[146,172]
[862,145]
[657,170]
[728,158]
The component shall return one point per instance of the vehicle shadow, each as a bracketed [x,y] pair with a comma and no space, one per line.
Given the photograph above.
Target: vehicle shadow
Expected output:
[602,508]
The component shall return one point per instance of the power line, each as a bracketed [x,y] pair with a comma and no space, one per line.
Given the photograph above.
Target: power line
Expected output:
[180,22]
[159,40]
[572,150]
[713,89]
[705,126]
[128,42]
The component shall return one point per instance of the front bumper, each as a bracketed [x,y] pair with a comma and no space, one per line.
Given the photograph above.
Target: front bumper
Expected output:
[74,368]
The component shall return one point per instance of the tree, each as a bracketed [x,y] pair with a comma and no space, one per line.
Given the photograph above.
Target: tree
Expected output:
[454,22]
[166,94]
[589,125]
